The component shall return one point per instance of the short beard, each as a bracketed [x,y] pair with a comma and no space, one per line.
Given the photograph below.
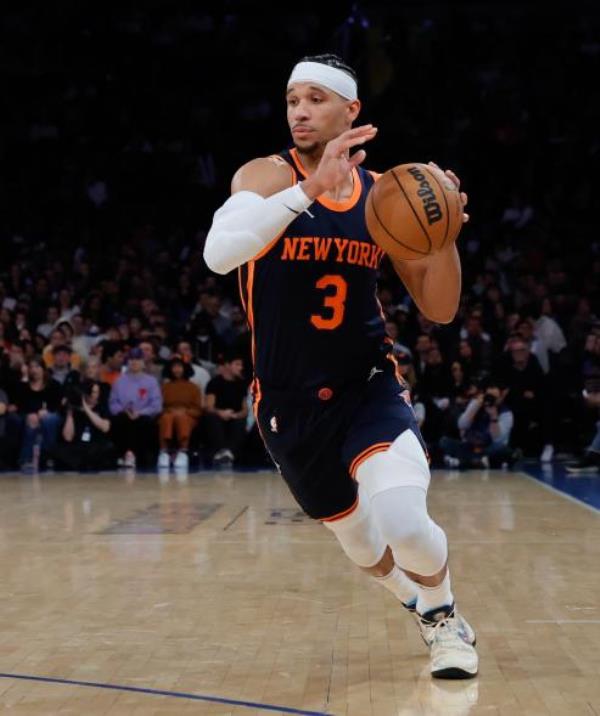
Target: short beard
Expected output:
[314,150]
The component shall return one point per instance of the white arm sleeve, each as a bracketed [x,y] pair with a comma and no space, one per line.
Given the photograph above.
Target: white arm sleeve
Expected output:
[247,223]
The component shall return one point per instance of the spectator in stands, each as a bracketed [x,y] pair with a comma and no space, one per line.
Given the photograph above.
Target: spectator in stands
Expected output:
[226,409]
[435,388]
[524,379]
[38,404]
[92,371]
[152,365]
[61,370]
[478,339]
[13,371]
[200,375]
[422,347]
[85,443]
[113,358]
[52,316]
[57,338]
[135,403]
[81,342]
[182,406]
[485,427]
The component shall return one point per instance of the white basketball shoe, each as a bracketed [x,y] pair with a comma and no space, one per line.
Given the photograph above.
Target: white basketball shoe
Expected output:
[451,641]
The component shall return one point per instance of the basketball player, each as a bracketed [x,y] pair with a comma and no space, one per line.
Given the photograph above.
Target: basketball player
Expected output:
[329,406]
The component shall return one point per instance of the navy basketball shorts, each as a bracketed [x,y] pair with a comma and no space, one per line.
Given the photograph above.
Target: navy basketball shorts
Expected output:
[319,438]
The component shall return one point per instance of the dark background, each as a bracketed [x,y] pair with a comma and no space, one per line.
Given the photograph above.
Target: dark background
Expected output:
[121,128]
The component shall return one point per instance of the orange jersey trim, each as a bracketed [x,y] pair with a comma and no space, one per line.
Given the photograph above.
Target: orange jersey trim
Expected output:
[325,201]
[361,457]
[340,515]
[250,307]
[241,290]
[257,395]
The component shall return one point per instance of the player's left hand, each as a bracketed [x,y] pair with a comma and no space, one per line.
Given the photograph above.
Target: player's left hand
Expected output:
[452,176]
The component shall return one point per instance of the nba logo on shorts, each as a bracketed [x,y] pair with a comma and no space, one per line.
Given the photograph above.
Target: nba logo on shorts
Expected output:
[273,424]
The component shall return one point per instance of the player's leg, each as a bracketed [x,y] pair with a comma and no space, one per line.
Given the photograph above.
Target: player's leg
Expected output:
[396,481]
[362,541]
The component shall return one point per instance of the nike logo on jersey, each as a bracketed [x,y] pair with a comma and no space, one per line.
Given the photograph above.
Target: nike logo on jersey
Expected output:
[374,372]
[334,248]
[292,210]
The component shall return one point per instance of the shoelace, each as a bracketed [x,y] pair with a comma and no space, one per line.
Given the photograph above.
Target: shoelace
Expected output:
[448,638]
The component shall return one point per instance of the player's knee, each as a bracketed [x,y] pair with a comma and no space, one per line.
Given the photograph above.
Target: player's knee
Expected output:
[409,528]
[418,544]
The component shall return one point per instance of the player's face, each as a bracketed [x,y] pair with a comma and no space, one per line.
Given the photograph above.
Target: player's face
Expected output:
[316,115]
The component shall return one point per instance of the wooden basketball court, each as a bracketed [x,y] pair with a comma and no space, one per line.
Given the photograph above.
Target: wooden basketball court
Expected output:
[215,596]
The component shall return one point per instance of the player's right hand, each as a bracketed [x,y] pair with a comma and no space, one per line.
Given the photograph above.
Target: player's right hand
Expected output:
[336,162]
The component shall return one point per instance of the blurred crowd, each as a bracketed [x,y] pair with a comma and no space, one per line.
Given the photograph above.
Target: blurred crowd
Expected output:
[122,129]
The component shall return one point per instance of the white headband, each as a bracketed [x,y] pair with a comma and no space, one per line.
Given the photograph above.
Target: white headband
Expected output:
[331,77]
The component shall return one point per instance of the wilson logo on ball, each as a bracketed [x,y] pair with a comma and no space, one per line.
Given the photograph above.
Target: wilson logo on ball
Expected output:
[430,204]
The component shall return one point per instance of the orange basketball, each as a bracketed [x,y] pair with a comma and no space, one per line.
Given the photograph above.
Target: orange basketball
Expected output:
[413,210]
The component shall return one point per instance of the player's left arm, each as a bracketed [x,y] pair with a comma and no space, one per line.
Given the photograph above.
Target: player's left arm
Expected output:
[434,282]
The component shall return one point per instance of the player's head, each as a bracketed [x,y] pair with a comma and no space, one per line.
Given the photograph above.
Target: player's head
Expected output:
[322,100]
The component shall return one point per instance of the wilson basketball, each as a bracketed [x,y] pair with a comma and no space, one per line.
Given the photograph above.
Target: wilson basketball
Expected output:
[413,210]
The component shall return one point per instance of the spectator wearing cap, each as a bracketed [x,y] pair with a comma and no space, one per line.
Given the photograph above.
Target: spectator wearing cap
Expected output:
[226,409]
[59,337]
[61,371]
[135,402]
[182,406]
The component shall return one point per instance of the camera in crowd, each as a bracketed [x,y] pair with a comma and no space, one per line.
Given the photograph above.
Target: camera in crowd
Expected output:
[74,397]
[76,392]
[489,400]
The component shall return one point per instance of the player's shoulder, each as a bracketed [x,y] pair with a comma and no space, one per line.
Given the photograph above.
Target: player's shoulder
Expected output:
[263,175]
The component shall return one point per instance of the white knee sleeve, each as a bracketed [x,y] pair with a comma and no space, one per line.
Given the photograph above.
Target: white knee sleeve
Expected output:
[396,482]
[359,534]
[418,544]
[403,464]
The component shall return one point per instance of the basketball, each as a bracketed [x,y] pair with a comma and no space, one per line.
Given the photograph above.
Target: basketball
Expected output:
[413,210]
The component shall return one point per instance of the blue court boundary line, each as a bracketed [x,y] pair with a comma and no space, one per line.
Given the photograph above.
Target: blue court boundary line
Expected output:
[582,490]
[160,692]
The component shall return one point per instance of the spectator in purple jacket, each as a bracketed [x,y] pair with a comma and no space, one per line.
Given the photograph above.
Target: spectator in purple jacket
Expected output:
[135,401]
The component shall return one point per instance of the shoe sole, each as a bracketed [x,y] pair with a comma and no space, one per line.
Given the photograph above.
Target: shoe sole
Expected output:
[453,672]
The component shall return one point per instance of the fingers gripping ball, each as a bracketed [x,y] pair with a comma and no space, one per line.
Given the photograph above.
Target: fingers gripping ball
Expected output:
[413,210]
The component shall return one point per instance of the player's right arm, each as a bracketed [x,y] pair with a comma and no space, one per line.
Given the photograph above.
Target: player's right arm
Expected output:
[264,200]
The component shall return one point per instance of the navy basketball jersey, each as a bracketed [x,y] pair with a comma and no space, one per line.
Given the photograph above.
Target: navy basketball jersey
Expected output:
[310,296]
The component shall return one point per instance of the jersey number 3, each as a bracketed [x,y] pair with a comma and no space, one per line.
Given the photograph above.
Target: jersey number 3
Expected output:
[335,302]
